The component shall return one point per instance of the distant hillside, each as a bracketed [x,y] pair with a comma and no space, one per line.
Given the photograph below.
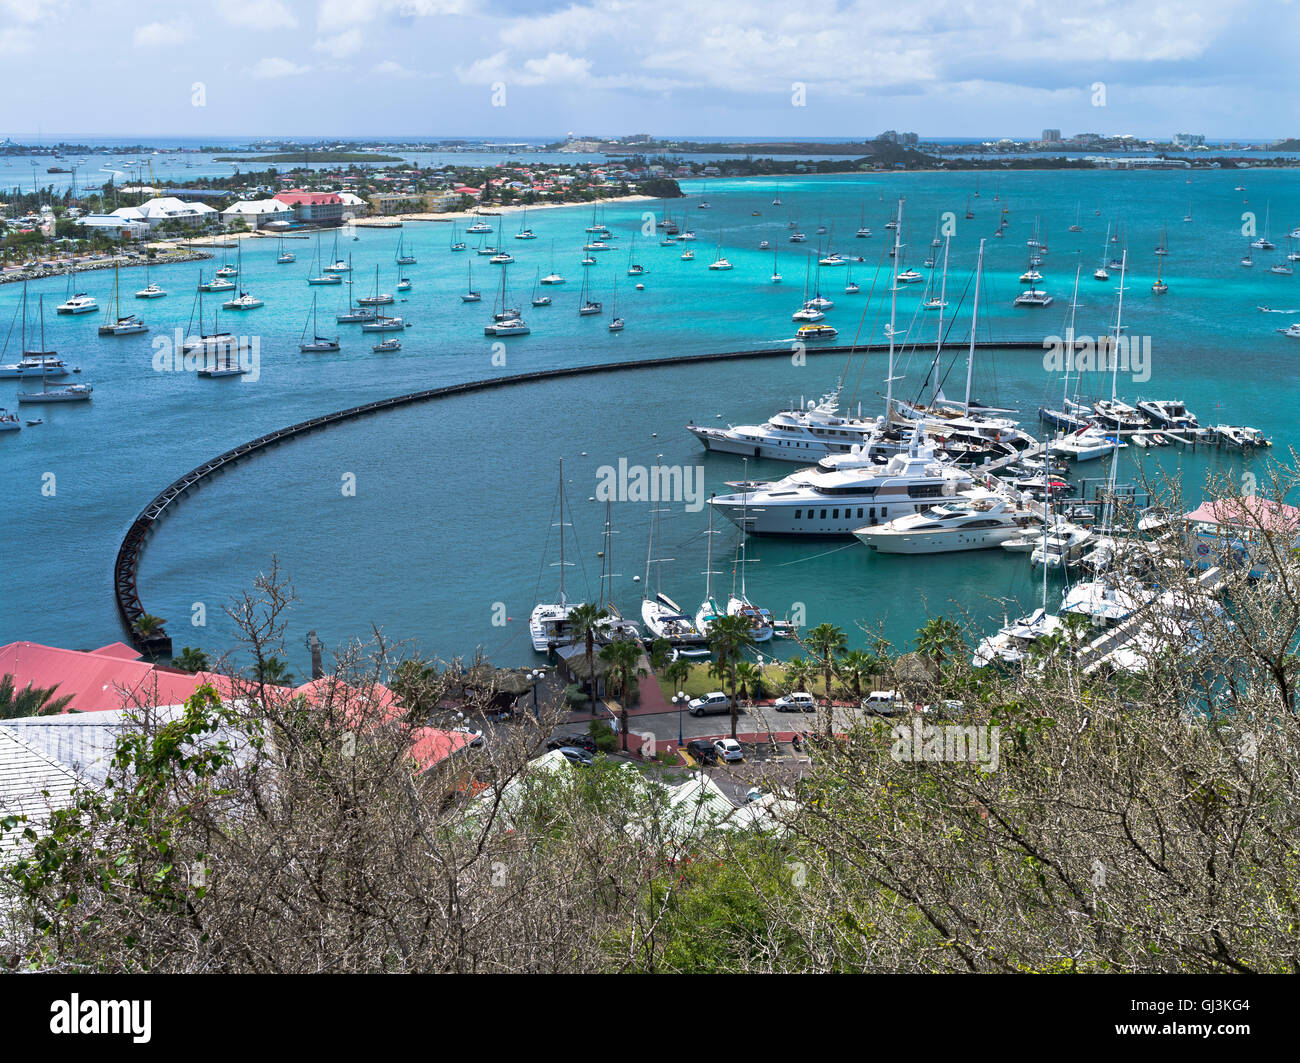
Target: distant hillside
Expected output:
[314,156]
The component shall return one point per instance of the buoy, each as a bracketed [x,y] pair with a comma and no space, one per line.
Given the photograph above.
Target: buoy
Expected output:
[636,579]
[591,498]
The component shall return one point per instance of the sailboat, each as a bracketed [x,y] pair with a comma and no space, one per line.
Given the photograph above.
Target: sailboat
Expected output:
[114,323]
[506,319]
[285,256]
[552,277]
[150,290]
[1263,243]
[662,616]
[1076,227]
[456,245]
[738,604]
[588,306]
[709,610]
[1162,248]
[615,322]
[470,295]
[403,259]
[524,232]
[338,265]
[243,301]
[539,299]
[1158,286]
[354,314]
[548,623]
[318,344]
[67,393]
[718,261]
[1100,273]
[633,268]
[379,298]
[863,232]
[776,273]
[325,277]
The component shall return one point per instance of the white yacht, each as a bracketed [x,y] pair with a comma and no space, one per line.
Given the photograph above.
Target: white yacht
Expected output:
[664,619]
[35,364]
[821,501]
[479,227]
[974,520]
[1062,546]
[807,312]
[1103,602]
[80,303]
[1087,444]
[1167,413]
[511,326]
[383,323]
[1012,643]
[552,278]
[1033,297]
[243,302]
[548,624]
[150,291]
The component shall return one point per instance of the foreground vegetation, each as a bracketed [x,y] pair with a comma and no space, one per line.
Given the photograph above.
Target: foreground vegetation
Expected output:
[1134,822]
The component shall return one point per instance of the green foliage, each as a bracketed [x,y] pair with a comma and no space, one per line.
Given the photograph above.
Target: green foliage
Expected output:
[30,701]
[192,659]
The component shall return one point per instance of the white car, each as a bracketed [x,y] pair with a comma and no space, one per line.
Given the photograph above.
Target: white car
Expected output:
[797,701]
[885,702]
[728,749]
[714,702]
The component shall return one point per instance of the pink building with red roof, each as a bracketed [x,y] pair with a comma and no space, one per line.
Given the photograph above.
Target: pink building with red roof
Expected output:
[314,208]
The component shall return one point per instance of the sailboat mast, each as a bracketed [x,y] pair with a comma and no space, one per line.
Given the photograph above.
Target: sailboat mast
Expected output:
[943,297]
[974,323]
[893,315]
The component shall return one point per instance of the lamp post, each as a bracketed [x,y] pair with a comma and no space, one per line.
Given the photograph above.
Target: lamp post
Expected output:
[680,699]
[536,676]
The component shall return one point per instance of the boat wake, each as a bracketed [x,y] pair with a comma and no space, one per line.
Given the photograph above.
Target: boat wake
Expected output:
[1270,310]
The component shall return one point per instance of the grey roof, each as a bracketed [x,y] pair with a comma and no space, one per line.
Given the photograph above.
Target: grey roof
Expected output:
[32,784]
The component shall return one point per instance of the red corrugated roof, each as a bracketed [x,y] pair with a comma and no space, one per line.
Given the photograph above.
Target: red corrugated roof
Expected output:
[295,197]
[430,746]
[103,679]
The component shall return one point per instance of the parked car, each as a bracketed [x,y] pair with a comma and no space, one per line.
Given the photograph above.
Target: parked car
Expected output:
[578,756]
[947,707]
[798,701]
[476,737]
[729,749]
[884,702]
[575,741]
[710,703]
[702,750]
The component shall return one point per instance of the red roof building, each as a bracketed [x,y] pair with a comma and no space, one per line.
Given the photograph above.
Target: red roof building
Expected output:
[315,207]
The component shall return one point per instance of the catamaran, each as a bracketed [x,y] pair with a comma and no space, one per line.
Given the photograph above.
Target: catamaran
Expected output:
[114,323]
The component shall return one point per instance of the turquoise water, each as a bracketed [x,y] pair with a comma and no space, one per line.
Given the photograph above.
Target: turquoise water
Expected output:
[453,499]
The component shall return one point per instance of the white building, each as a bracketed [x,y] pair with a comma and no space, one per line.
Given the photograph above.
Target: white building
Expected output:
[353,205]
[258,213]
[116,227]
[167,208]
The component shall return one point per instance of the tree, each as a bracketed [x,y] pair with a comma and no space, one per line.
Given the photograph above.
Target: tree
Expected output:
[824,642]
[30,701]
[750,680]
[624,657]
[799,674]
[677,673]
[272,671]
[659,652]
[148,625]
[729,637]
[856,667]
[584,621]
[192,659]
[936,637]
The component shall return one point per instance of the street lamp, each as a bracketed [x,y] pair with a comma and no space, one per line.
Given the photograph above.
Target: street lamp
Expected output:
[536,676]
[680,699]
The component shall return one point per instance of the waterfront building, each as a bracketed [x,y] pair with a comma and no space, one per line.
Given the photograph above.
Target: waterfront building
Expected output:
[154,212]
[314,208]
[258,213]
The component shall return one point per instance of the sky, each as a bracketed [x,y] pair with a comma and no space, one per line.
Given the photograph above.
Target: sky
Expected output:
[547,68]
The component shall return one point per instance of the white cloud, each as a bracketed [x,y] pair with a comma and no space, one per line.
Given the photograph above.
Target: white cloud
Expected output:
[276,67]
[342,14]
[161,35]
[257,14]
[340,45]
[392,68]
[15,40]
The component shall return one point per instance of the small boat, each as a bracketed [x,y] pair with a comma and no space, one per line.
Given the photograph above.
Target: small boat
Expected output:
[318,344]
[384,323]
[228,271]
[403,284]
[1033,297]
[80,303]
[387,346]
[909,276]
[9,422]
[36,421]
[470,295]
[816,332]
[688,255]
[150,291]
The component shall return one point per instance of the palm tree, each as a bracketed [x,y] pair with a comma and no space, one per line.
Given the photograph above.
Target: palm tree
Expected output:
[677,673]
[856,667]
[729,637]
[658,653]
[30,701]
[936,637]
[192,659]
[148,624]
[825,641]
[799,673]
[749,681]
[624,658]
[585,621]
[272,671]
